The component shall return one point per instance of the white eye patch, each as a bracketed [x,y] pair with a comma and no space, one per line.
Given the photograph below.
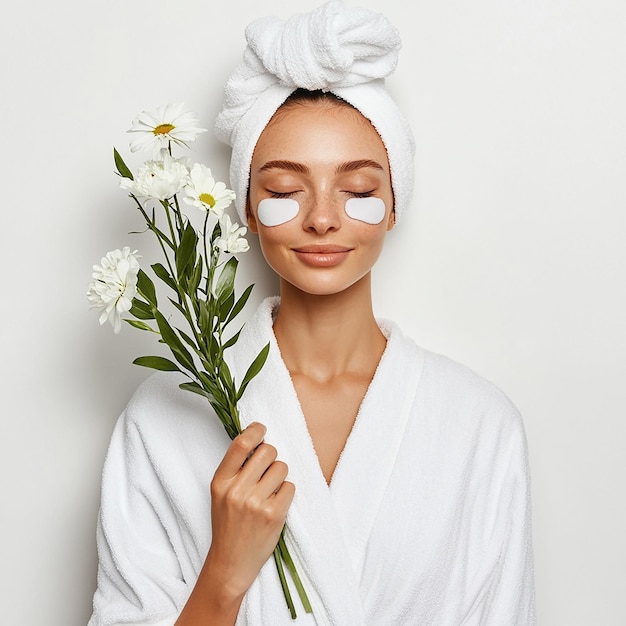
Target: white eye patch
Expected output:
[276,211]
[370,210]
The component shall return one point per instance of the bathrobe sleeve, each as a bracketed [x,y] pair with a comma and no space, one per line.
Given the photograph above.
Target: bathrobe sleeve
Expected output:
[139,577]
[154,525]
[502,588]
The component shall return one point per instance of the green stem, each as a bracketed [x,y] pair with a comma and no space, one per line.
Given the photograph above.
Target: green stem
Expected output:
[152,225]
[283,583]
[182,295]
[166,206]
[206,251]
[284,551]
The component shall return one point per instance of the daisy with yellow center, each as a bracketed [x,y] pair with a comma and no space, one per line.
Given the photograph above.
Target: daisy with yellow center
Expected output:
[157,130]
[203,192]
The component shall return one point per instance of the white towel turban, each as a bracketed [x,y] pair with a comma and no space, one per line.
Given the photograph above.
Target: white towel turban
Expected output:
[347,51]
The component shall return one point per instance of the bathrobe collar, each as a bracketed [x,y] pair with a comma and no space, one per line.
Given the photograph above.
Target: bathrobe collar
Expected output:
[328,527]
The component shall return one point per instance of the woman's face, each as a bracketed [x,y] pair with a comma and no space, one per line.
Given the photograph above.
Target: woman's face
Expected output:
[320,155]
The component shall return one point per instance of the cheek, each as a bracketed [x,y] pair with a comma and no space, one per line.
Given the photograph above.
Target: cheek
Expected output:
[369,210]
[277,211]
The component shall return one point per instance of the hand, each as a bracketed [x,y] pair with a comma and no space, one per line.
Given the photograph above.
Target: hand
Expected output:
[249,503]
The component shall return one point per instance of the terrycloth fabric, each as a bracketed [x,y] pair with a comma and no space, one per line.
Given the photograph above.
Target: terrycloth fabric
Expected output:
[426,521]
[347,51]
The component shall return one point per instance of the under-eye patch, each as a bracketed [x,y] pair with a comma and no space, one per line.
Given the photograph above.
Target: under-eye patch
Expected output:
[276,211]
[370,210]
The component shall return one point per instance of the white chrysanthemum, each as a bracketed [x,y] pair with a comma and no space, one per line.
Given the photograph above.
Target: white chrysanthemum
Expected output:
[114,286]
[232,239]
[169,123]
[205,193]
[158,179]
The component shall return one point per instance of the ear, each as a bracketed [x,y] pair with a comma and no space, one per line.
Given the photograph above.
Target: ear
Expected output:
[391,221]
[252,225]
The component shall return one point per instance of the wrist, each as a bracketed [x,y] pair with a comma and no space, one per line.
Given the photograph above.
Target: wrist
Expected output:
[214,600]
[220,582]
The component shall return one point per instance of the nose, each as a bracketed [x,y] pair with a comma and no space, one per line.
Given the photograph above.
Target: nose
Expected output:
[322,215]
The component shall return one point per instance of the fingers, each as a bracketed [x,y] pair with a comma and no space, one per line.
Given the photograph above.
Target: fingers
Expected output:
[239,450]
[250,473]
[283,497]
[272,479]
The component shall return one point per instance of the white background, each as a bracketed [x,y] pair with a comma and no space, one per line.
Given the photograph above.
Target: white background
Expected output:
[512,259]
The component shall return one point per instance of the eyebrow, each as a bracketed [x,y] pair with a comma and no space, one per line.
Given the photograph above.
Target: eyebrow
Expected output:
[285,165]
[351,166]
[293,166]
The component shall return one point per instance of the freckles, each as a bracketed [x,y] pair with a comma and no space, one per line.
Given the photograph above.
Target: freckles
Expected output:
[370,210]
[277,211]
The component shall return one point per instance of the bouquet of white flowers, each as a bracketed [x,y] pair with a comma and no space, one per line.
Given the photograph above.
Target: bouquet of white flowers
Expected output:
[199,282]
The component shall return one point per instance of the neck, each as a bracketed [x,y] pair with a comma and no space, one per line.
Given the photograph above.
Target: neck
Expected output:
[327,336]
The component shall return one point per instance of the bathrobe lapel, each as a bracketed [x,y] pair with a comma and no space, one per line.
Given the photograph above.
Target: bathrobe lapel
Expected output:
[327,527]
[367,461]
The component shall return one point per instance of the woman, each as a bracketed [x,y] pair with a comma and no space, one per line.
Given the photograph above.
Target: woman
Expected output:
[402,475]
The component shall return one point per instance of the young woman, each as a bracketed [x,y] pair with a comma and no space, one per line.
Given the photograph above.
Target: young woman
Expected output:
[402,475]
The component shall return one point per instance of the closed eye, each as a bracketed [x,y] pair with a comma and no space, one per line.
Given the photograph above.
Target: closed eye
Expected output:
[360,194]
[281,194]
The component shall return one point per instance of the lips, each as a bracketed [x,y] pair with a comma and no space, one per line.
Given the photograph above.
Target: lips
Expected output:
[320,248]
[322,255]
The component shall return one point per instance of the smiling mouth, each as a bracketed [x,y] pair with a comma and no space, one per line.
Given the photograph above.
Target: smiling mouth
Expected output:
[321,255]
[321,249]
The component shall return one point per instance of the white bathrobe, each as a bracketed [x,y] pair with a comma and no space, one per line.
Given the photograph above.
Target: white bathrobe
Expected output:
[426,520]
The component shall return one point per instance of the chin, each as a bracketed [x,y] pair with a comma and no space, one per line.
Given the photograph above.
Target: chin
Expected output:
[321,288]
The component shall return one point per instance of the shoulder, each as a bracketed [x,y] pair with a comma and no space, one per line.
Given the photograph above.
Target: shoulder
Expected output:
[473,407]
[460,382]
[159,399]
[452,393]
[162,415]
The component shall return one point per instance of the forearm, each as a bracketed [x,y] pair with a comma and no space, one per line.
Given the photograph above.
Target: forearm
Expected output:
[212,600]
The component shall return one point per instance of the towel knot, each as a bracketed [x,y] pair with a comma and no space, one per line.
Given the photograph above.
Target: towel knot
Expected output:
[347,51]
[332,46]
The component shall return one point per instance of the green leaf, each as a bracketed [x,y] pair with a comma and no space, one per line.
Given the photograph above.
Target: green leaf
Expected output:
[239,305]
[232,341]
[254,369]
[141,310]
[139,325]
[179,351]
[204,318]
[146,287]
[217,232]
[157,363]
[161,271]
[208,383]
[227,305]
[188,340]
[226,281]
[196,388]
[179,306]
[121,166]
[213,345]
[226,376]
[196,277]
[186,251]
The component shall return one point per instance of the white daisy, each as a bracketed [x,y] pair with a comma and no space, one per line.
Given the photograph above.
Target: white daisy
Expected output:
[203,192]
[114,286]
[232,239]
[169,123]
[158,179]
